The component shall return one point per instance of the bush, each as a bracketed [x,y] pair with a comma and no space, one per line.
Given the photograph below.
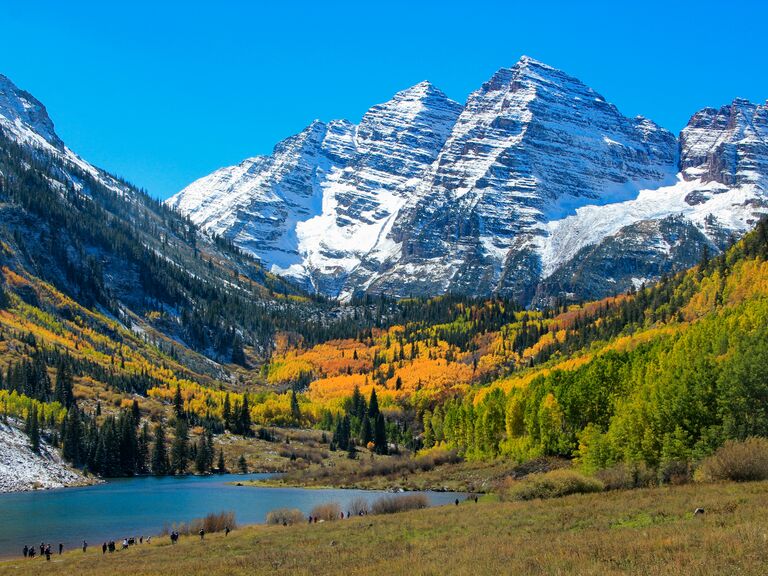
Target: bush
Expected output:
[392,504]
[359,506]
[550,485]
[285,516]
[328,512]
[626,476]
[739,461]
[212,523]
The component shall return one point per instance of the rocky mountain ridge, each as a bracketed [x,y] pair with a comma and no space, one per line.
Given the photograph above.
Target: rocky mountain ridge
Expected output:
[500,195]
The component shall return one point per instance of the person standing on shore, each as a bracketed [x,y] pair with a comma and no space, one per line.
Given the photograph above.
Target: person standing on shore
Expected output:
[61,548]
[85,546]
[26,550]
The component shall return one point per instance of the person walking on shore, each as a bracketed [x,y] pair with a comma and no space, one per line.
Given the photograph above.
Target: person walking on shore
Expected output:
[85,546]
[61,548]
[26,550]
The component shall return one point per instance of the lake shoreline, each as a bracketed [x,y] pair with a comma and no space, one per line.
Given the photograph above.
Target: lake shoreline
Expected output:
[143,506]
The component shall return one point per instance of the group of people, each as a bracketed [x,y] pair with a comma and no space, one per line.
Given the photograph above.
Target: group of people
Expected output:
[45,550]
[111,546]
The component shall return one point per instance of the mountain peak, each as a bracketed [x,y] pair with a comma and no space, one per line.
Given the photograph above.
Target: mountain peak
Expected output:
[23,112]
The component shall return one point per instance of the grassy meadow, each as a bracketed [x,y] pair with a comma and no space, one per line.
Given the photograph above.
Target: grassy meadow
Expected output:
[648,531]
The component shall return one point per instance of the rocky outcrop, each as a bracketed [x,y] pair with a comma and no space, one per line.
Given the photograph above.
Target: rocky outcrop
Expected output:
[22,469]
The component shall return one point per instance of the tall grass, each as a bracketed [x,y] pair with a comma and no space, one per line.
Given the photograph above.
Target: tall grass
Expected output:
[393,504]
[215,522]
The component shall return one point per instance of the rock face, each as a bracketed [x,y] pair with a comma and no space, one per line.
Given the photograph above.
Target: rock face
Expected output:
[22,469]
[521,191]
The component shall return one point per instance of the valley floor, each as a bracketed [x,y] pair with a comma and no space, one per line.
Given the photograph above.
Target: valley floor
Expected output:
[648,532]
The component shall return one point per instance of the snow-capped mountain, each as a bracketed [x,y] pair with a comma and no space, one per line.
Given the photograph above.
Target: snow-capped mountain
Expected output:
[536,187]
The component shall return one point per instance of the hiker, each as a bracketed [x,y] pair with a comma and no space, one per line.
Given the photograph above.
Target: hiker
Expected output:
[141,539]
[32,552]
[310,519]
[475,498]
[85,546]
[457,501]
[61,548]
[48,553]
[226,530]
[202,534]
[26,550]
[103,548]
[125,543]
[42,548]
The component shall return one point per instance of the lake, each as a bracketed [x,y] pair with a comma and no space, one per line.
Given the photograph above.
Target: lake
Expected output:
[142,506]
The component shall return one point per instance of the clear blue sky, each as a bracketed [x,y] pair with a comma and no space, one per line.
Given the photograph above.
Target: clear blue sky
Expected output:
[165,92]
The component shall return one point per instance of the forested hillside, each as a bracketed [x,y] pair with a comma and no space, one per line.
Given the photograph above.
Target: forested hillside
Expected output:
[123,328]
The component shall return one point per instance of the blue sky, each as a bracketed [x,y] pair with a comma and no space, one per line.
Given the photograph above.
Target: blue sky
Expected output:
[165,92]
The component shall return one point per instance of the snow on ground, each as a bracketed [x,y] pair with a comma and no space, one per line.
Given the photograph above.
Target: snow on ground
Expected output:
[21,469]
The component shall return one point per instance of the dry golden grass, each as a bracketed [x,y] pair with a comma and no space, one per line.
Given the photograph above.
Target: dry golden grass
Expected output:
[649,532]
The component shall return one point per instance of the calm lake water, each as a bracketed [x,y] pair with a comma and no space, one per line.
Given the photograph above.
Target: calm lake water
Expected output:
[142,506]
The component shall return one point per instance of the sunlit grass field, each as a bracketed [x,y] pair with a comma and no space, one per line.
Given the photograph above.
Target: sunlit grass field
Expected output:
[650,531]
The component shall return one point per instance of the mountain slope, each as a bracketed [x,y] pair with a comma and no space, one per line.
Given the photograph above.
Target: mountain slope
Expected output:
[535,176]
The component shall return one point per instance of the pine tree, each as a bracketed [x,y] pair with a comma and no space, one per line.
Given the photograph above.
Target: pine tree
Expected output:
[203,457]
[351,450]
[142,450]
[32,428]
[373,405]
[380,435]
[221,467]
[242,465]
[226,413]
[62,391]
[178,403]
[295,410]
[244,419]
[180,448]
[366,434]
[159,453]
[72,438]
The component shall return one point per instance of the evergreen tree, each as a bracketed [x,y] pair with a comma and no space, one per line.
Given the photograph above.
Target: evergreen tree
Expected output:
[221,467]
[244,418]
[72,438]
[351,450]
[226,413]
[203,457]
[242,465]
[32,428]
[178,403]
[380,435]
[62,391]
[180,448]
[366,434]
[142,450]
[295,410]
[373,405]
[159,453]
[238,355]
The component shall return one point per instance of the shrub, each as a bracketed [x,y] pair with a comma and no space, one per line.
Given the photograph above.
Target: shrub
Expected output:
[211,523]
[739,461]
[550,485]
[359,506]
[285,516]
[626,476]
[328,511]
[392,504]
